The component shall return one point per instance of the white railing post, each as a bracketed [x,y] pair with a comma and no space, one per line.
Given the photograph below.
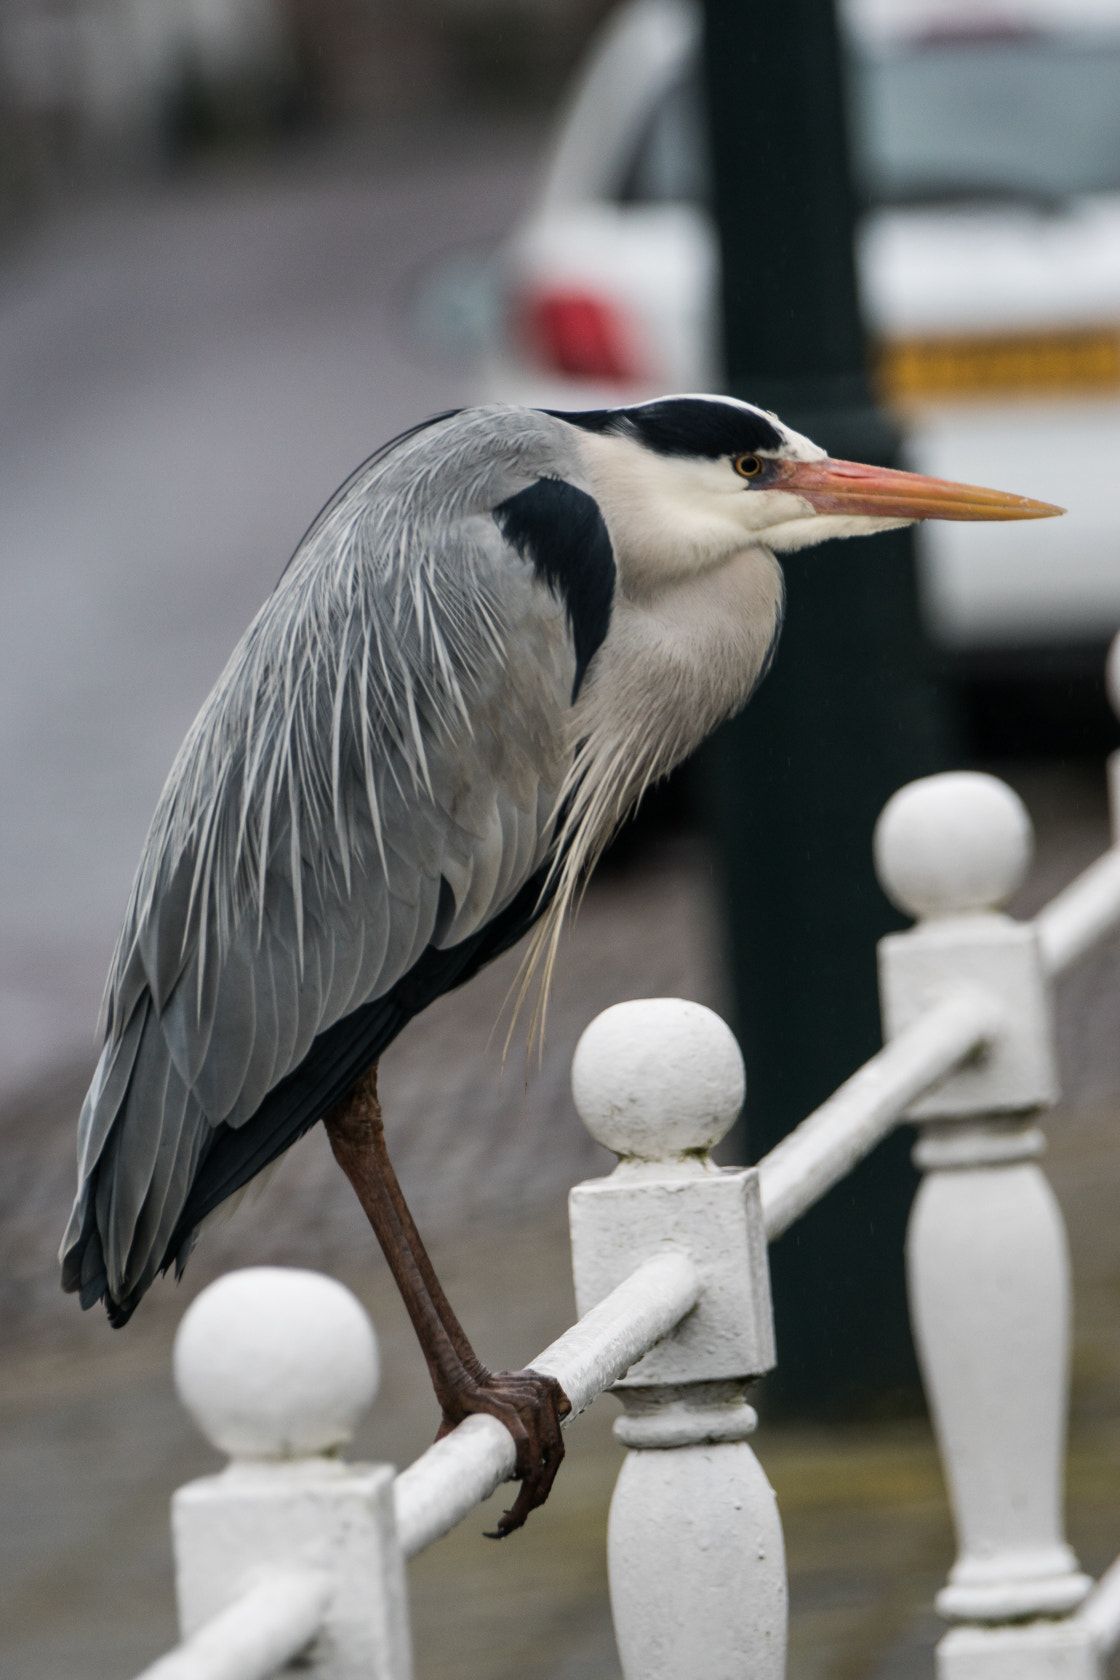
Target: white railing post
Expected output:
[697,1564]
[276,1367]
[986,1251]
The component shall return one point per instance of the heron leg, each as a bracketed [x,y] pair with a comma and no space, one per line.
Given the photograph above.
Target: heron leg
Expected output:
[530,1404]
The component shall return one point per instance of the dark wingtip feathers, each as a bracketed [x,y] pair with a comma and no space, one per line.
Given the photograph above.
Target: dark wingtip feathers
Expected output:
[85,1275]
[90,1283]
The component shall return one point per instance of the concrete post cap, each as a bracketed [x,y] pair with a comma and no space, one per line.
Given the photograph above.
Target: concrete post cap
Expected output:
[656,1078]
[276,1363]
[952,845]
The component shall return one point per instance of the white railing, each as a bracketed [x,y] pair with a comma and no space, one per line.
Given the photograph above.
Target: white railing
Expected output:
[290,1553]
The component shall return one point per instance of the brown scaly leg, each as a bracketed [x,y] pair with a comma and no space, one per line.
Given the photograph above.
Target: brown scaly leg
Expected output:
[529,1404]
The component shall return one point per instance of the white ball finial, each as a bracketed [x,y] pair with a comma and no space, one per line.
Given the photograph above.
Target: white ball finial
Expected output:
[658,1078]
[276,1363]
[952,845]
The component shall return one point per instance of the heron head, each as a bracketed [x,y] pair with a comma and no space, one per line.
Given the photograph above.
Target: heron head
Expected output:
[704,471]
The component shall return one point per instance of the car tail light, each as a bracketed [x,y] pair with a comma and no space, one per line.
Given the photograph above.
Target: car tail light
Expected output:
[574,332]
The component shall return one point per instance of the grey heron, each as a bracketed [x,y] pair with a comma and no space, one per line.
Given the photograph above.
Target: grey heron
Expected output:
[500,631]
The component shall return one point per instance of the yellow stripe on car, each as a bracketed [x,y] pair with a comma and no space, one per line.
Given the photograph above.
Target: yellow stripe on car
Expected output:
[1070,360]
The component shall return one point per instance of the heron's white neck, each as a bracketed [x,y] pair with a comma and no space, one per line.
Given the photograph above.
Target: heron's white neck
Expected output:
[669,517]
[671,668]
[679,661]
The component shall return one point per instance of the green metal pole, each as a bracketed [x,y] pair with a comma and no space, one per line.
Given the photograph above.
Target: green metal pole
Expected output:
[848,713]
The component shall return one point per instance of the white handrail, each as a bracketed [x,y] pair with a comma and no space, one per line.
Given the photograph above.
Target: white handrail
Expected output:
[1080,915]
[273,1621]
[614,1335]
[445,1483]
[1100,1612]
[825,1147]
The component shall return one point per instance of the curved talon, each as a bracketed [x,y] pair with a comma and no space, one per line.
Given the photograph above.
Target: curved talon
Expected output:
[531,1406]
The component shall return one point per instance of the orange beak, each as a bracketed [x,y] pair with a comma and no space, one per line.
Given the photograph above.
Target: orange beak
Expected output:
[848,487]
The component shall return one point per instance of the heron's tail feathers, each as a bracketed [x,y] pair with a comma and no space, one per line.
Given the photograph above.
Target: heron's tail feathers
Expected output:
[140,1137]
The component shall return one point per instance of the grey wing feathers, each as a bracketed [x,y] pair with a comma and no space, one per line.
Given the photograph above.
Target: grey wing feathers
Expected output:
[392,720]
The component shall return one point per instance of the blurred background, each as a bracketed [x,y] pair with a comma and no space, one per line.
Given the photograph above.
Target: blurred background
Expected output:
[242,242]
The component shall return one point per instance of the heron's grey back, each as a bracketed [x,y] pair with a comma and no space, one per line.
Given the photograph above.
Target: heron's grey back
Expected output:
[374,773]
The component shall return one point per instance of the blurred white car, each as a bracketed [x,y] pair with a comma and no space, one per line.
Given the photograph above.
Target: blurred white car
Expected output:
[988,151]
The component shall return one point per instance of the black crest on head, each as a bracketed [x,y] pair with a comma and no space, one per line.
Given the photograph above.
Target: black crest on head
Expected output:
[685,426]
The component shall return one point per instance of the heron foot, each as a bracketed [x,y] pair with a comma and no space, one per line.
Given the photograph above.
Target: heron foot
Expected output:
[531,1406]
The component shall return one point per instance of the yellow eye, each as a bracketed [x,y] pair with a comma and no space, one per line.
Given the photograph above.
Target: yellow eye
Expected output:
[748,466]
